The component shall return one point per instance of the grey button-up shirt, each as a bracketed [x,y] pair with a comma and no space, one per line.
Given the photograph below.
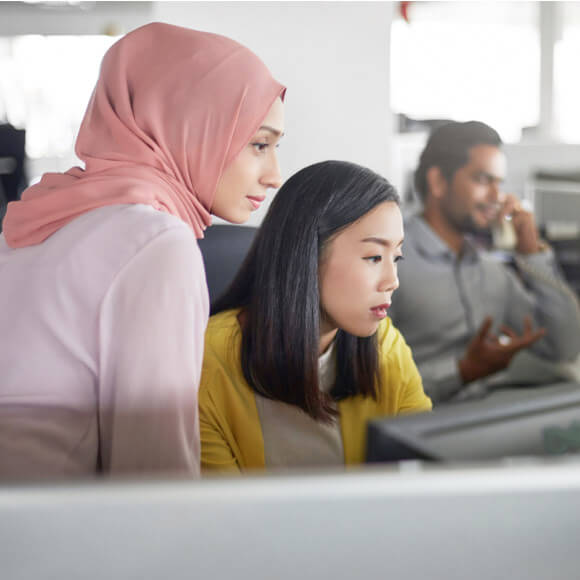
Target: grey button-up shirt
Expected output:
[443,299]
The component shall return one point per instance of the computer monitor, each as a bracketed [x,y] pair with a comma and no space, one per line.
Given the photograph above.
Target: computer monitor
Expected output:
[538,421]
[518,522]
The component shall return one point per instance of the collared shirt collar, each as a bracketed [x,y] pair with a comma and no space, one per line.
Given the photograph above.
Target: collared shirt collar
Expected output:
[428,243]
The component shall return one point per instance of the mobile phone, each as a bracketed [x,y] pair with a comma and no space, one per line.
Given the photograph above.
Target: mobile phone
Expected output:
[503,235]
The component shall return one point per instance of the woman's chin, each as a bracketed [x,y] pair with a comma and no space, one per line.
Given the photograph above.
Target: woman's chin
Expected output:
[234,217]
[362,331]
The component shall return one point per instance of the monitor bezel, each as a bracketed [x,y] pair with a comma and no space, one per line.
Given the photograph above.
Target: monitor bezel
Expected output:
[409,435]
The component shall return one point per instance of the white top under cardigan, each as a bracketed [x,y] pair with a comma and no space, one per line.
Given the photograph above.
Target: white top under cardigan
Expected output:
[293,439]
[101,344]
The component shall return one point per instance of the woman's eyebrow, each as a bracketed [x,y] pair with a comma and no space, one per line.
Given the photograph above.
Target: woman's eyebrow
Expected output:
[275,132]
[381,241]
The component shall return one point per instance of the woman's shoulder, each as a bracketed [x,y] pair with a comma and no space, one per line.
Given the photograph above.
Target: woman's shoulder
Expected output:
[401,379]
[392,345]
[223,333]
[141,237]
[146,223]
[225,322]
[115,234]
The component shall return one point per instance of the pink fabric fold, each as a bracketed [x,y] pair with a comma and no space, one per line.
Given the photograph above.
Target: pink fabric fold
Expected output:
[171,109]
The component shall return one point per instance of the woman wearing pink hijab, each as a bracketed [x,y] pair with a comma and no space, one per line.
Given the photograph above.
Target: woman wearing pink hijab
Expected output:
[102,284]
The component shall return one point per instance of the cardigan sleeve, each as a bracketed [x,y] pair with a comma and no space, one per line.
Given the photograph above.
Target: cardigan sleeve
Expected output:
[152,326]
[216,453]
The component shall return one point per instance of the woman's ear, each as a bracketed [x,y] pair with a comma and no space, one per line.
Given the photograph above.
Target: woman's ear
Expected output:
[436,183]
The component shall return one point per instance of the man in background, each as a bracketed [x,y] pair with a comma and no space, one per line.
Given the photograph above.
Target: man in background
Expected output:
[464,314]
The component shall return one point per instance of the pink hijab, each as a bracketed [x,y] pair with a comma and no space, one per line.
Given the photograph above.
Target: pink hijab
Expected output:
[171,109]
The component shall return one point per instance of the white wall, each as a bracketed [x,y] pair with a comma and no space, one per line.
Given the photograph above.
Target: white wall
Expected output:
[334,59]
[18,18]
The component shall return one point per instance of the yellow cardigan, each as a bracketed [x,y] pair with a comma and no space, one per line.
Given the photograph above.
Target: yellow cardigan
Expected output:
[231,434]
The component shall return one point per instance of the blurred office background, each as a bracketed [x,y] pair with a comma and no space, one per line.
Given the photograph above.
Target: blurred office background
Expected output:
[366,82]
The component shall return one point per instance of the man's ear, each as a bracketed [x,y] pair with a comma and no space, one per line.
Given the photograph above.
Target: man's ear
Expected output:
[436,183]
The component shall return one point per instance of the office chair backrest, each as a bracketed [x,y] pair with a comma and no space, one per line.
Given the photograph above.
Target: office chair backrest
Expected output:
[12,156]
[12,174]
[224,248]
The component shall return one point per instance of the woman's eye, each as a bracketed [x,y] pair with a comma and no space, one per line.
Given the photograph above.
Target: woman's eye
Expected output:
[260,147]
[374,259]
[399,258]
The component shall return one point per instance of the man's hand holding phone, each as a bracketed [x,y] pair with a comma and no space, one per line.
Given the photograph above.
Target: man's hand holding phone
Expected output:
[513,211]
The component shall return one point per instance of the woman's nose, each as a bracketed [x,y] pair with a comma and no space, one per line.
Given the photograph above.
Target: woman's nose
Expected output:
[272,177]
[390,281]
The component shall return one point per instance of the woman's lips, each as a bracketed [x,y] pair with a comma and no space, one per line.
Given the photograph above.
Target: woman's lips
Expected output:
[256,200]
[380,311]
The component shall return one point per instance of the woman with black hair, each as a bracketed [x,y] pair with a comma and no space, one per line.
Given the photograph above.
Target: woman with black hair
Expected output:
[300,353]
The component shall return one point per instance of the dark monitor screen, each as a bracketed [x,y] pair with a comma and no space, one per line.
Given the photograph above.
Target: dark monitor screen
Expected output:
[539,421]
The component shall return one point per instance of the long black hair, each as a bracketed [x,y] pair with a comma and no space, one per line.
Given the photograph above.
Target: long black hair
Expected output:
[277,289]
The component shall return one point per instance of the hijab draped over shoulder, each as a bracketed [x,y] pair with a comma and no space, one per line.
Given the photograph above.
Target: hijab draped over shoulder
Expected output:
[171,109]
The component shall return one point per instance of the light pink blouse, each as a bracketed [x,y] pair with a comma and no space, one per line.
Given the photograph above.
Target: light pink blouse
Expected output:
[101,347]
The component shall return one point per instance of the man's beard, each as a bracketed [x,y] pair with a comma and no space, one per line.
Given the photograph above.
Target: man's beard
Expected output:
[464,223]
[467,225]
